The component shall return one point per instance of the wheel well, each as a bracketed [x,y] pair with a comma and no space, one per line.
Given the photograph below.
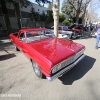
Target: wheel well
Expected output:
[31,60]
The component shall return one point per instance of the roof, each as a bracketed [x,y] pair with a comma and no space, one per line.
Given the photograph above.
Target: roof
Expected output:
[32,29]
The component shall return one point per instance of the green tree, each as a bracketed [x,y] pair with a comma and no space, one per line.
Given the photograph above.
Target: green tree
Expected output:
[75,9]
[49,16]
[66,22]
[43,17]
[42,1]
[35,16]
[50,6]
[68,10]
[61,17]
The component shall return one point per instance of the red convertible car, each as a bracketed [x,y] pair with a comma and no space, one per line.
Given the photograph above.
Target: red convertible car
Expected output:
[50,56]
[78,28]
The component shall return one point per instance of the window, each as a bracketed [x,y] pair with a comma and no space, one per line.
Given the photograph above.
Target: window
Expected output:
[11,12]
[25,14]
[22,37]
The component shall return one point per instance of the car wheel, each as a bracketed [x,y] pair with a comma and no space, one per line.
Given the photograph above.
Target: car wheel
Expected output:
[68,36]
[73,36]
[37,70]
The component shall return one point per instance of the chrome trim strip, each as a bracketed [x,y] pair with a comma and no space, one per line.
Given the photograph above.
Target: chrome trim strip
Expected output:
[65,69]
[68,60]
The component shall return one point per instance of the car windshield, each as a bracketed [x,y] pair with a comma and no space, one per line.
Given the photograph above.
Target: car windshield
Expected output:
[38,35]
[65,28]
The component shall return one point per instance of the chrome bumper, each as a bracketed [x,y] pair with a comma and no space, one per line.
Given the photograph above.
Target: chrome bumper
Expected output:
[65,69]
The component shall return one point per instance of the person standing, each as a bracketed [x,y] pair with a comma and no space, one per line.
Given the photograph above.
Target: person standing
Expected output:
[98,36]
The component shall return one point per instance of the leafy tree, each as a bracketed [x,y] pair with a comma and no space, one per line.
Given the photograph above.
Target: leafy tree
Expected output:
[66,22]
[68,10]
[50,6]
[75,8]
[49,16]
[42,1]
[61,17]
[43,17]
[35,16]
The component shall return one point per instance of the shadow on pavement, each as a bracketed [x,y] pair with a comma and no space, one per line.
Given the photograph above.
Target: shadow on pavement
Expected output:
[8,43]
[78,71]
[7,56]
[4,43]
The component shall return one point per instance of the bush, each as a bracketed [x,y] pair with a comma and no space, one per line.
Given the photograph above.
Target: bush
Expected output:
[66,22]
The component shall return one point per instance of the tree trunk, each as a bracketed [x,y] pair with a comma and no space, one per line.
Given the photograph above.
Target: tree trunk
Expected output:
[56,16]
[84,15]
[77,16]
[78,10]
[17,9]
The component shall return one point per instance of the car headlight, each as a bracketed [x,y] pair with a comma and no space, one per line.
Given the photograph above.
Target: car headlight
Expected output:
[56,68]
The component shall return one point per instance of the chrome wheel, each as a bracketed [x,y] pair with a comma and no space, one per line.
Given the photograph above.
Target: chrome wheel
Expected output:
[73,36]
[37,70]
[68,36]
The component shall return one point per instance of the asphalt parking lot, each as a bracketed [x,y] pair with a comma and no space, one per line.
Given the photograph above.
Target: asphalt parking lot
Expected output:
[18,81]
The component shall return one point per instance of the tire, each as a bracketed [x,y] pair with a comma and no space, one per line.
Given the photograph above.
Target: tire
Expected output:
[68,36]
[37,70]
[73,36]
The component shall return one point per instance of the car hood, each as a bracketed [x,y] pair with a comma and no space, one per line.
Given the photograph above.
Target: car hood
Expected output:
[56,49]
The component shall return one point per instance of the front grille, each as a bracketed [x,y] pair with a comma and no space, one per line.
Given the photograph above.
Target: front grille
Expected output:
[68,61]
[78,54]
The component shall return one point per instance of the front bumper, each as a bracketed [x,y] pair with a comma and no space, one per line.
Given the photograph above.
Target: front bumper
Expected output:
[65,69]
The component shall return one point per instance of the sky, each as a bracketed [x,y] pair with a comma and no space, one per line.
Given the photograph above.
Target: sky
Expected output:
[95,2]
[61,1]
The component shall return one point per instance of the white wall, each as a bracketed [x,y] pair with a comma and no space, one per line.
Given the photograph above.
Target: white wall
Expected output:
[36,7]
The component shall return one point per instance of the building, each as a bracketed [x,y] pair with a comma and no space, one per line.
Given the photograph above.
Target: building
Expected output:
[24,15]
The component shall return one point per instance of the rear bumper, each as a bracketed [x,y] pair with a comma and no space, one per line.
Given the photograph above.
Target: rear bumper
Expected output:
[65,69]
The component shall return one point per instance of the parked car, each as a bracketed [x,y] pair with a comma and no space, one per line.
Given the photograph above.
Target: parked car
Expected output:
[78,28]
[64,31]
[50,56]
